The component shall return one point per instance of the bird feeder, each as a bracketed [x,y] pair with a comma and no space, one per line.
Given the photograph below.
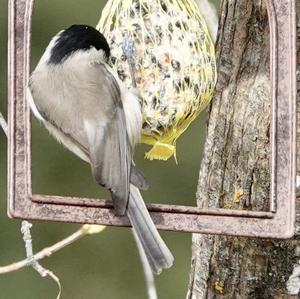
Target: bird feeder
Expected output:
[174,64]
[278,222]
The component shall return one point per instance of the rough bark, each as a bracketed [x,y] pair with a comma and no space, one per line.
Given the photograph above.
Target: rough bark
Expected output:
[298,86]
[235,171]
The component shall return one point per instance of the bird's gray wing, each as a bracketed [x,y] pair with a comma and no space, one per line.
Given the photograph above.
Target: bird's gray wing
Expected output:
[109,147]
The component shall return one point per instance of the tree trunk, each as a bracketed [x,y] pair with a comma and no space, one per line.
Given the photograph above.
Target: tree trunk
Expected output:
[235,171]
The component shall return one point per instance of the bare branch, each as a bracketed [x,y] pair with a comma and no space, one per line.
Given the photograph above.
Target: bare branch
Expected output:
[209,12]
[3,124]
[82,232]
[31,261]
[152,294]
[128,51]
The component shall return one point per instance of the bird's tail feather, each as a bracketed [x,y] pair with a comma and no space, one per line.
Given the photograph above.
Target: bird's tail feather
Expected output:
[157,252]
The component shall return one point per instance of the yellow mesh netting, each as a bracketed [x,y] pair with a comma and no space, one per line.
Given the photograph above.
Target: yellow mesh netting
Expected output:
[175,65]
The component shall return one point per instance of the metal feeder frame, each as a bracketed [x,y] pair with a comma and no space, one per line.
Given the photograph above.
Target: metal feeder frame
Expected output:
[279,222]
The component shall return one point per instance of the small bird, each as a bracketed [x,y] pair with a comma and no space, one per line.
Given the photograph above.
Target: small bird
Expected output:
[84,105]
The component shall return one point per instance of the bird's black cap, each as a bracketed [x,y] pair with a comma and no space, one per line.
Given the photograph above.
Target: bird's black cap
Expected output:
[77,37]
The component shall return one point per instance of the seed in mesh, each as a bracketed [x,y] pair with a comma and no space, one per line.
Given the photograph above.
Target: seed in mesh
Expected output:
[175,64]
[121,73]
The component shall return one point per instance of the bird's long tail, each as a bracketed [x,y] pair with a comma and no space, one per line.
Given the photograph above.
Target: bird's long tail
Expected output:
[157,252]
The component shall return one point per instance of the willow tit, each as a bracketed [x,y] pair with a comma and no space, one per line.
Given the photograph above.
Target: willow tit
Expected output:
[80,100]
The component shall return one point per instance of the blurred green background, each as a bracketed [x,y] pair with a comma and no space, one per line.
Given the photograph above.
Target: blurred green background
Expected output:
[104,265]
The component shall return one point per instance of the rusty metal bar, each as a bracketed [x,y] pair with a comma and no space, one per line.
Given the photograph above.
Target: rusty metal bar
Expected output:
[278,223]
[273,91]
[178,209]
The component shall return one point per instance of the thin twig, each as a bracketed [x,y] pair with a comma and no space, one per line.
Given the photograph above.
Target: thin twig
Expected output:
[82,232]
[31,261]
[152,294]
[210,14]
[3,124]
[128,51]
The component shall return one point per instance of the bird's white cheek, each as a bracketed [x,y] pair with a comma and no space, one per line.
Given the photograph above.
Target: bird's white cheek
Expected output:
[133,115]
